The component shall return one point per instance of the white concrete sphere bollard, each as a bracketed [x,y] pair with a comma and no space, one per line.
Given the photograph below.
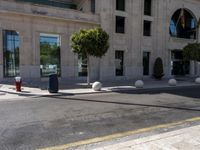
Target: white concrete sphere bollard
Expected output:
[96,86]
[197,81]
[139,84]
[172,82]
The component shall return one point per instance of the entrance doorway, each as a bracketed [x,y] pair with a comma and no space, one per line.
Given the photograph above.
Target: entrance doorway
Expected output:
[178,65]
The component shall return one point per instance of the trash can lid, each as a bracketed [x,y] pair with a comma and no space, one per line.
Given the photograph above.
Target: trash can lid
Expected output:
[18,79]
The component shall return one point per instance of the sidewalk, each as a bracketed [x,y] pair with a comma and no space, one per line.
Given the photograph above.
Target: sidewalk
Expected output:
[183,139]
[7,90]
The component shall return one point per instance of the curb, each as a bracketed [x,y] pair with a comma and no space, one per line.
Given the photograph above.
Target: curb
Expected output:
[117,90]
[2,93]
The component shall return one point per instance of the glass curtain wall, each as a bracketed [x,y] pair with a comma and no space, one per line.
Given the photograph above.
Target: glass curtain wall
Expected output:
[49,54]
[11,53]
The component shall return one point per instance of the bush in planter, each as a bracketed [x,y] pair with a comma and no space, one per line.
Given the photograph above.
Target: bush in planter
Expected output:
[158,68]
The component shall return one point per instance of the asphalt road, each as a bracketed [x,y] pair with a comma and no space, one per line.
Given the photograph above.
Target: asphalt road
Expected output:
[41,122]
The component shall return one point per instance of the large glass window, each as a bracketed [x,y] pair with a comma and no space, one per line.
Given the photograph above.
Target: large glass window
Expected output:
[93,6]
[119,63]
[82,66]
[147,28]
[11,53]
[120,24]
[49,54]
[147,7]
[120,5]
[183,25]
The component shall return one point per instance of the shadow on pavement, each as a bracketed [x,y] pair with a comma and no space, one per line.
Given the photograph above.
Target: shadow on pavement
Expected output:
[188,91]
[124,103]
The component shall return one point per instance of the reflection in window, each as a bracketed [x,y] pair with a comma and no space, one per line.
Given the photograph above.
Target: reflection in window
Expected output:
[49,54]
[82,66]
[119,63]
[183,25]
[11,53]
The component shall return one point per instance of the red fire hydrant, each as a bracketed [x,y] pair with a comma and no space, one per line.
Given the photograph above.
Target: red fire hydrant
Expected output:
[18,83]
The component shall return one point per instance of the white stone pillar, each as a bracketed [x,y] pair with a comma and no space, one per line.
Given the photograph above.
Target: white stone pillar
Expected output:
[198,68]
[192,68]
[1,55]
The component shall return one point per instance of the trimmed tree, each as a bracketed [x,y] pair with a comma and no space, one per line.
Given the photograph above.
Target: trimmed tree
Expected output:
[192,52]
[158,72]
[90,42]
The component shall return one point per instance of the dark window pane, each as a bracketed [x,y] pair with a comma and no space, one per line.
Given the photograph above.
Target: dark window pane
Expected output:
[147,28]
[120,24]
[147,7]
[93,6]
[146,58]
[119,63]
[11,53]
[82,66]
[120,5]
[49,55]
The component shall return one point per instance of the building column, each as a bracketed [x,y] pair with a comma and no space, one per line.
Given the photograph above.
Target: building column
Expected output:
[1,55]
[192,68]
[198,63]
[67,58]
[29,69]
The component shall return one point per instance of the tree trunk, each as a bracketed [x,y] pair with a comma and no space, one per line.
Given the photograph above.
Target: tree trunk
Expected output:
[88,70]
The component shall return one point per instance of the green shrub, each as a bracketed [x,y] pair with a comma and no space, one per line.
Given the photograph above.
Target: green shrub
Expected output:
[158,68]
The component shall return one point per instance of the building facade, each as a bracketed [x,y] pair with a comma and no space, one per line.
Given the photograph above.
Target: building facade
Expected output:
[35,38]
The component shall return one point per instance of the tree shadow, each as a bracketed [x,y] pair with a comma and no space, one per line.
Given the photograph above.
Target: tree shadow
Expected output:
[129,104]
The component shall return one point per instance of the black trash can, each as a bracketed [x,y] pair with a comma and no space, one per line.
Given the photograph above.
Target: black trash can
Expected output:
[53,83]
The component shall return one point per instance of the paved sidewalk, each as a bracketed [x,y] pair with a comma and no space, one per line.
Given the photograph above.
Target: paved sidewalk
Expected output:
[8,91]
[183,139]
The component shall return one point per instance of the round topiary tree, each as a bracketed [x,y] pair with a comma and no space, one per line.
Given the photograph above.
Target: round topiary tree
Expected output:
[90,42]
[158,72]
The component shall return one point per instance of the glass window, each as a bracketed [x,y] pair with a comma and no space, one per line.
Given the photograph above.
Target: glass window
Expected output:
[120,5]
[120,24]
[49,54]
[119,63]
[183,25]
[93,6]
[11,53]
[147,28]
[146,58]
[82,66]
[147,7]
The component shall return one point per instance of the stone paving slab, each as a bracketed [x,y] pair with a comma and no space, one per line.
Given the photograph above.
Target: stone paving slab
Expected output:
[183,139]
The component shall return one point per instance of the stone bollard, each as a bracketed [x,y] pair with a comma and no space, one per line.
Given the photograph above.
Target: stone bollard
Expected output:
[139,84]
[96,86]
[197,80]
[172,82]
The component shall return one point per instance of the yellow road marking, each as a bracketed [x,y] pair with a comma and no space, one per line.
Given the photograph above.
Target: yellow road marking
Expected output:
[120,135]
